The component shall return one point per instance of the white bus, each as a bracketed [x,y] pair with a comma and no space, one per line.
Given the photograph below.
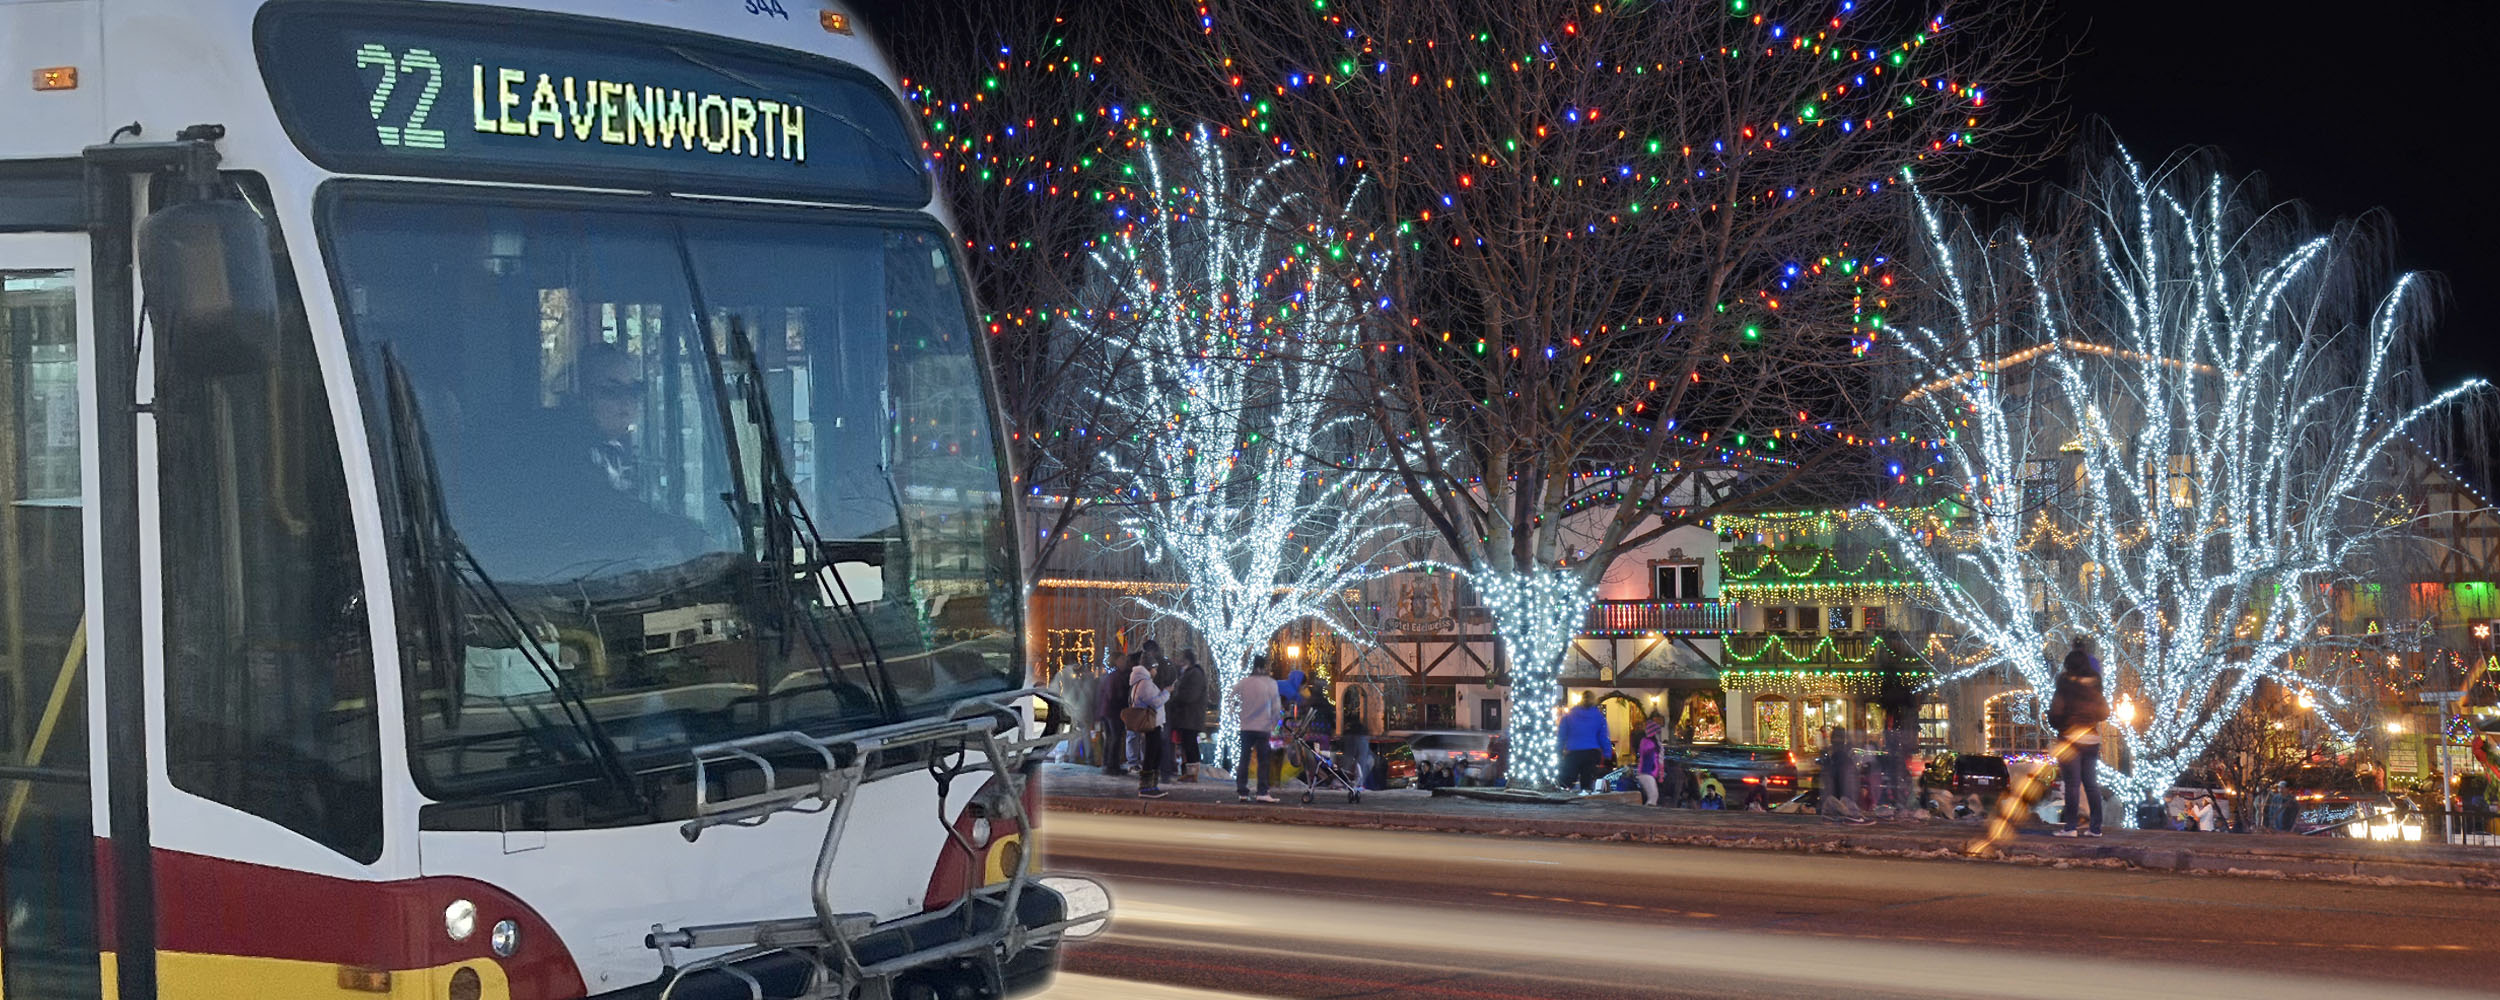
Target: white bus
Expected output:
[374,374]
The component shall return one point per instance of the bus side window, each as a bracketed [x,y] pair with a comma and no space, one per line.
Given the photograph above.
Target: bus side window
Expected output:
[269,686]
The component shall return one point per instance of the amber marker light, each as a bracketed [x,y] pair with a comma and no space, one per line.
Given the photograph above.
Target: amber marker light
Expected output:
[56,78]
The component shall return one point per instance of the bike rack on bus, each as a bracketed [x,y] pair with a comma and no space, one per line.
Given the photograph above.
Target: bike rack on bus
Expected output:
[831,941]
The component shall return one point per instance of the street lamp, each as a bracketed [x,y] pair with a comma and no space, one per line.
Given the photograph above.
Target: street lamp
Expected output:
[2124,711]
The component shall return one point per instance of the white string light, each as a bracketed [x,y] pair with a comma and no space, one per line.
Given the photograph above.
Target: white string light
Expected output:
[1231,317]
[2227,433]
[1537,614]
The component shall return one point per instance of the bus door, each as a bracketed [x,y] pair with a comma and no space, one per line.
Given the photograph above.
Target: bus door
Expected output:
[48,914]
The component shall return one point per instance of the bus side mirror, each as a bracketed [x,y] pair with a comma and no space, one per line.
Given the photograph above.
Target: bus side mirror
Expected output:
[211,289]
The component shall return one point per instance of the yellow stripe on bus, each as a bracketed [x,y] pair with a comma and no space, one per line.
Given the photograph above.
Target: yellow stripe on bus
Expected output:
[193,976]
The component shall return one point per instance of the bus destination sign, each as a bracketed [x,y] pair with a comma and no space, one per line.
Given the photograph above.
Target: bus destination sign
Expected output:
[401,89]
[574,109]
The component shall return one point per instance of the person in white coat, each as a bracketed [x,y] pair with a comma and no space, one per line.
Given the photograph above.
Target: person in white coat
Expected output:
[1262,710]
[1144,693]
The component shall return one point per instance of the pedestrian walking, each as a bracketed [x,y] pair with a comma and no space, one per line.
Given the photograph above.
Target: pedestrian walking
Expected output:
[1189,712]
[2076,712]
[1584,743]
[1649,759]
[1262,711]
[1145,716]
[1111,697]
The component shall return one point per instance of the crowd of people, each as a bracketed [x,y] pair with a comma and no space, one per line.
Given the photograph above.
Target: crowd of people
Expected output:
[1147,715]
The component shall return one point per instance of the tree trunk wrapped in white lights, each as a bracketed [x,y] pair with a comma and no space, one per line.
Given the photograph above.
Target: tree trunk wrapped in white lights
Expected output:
[1536,614]
[2173,434]
[1234,300]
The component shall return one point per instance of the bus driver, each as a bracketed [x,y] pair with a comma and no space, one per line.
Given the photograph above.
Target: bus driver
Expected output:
[572,496]
[609,396]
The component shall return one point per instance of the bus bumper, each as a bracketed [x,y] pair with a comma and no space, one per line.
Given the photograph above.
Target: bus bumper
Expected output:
[966,950]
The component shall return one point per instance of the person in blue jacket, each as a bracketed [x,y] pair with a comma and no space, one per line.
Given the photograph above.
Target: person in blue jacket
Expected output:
[1584,743]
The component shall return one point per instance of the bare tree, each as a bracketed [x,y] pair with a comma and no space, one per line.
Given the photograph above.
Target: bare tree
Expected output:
[1642,254]
[1032,120]
[2213,394]
[1240,341]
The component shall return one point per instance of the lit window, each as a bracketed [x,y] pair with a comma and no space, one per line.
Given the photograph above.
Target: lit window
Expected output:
[1770,721]
[1934,722]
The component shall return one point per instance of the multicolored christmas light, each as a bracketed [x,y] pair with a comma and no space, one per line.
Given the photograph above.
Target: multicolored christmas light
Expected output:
[1618,253]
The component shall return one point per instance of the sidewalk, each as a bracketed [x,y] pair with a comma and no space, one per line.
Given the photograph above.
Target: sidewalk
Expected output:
[1069,788]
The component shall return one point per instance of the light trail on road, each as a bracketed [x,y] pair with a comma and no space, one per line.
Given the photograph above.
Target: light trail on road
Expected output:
[1314,912]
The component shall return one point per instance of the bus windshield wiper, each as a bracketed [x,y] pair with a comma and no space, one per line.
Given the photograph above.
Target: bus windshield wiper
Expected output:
[787,520]
[784,513]
[442,551]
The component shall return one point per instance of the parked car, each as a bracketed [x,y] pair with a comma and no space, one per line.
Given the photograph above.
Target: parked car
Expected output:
[1468,753]
[1982,775]
[1979,780]
[1393,764]
[1743,776]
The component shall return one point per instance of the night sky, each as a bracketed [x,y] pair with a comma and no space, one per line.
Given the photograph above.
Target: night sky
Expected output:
[2347,107]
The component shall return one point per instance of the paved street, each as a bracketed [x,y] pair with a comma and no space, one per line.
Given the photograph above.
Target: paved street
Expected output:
[1213,909]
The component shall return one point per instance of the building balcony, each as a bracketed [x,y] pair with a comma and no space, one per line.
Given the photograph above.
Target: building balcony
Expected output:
[1617,619]
[1804,649]
[1811,663]
[1813,575]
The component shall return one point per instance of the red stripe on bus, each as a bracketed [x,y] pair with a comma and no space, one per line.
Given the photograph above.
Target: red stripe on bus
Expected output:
[216,906]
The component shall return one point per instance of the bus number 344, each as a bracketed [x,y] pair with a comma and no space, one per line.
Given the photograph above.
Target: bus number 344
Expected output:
[767,8]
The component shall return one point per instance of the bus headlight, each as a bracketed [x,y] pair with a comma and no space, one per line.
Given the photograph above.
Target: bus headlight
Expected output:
[460,919]
[505,938]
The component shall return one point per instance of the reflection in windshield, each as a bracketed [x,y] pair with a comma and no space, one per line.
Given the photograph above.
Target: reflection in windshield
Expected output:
[609,464]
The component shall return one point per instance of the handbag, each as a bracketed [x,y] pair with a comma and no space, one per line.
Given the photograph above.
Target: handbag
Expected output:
[1137,719]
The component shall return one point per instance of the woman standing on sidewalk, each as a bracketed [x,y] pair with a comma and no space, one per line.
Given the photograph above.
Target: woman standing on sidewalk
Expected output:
[2076,711]
[1649,760]
[1145,715]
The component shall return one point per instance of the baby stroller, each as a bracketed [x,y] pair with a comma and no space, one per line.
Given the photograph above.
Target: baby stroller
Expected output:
[1318,764]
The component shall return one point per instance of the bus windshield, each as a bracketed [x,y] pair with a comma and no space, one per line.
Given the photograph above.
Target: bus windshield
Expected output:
[660,478]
